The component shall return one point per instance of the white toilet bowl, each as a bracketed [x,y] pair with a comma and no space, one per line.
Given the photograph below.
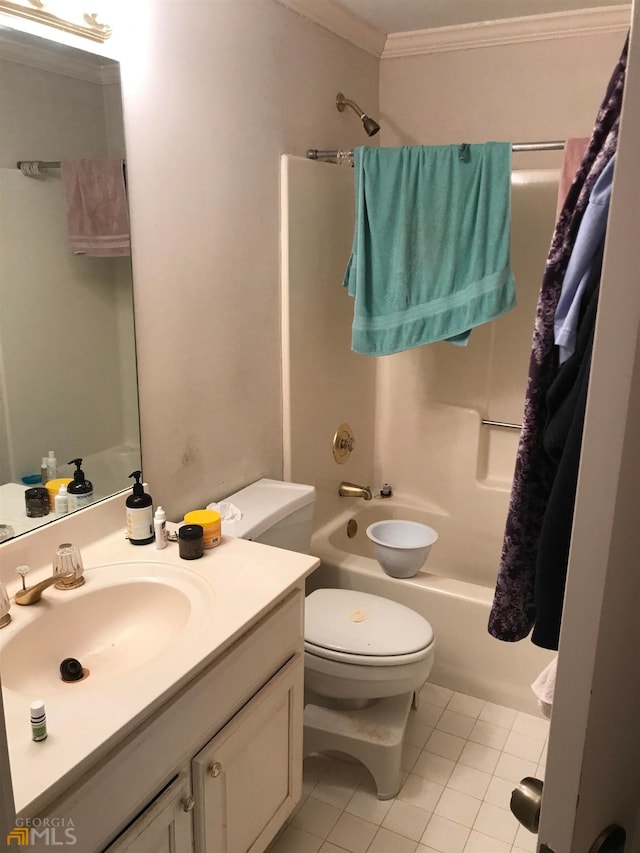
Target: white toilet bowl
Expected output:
[365,657]
[362,646]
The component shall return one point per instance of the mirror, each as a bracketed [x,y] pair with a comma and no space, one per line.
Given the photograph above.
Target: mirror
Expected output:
[68,378]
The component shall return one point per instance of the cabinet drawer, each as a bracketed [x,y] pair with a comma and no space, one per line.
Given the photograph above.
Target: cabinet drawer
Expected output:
[247,779]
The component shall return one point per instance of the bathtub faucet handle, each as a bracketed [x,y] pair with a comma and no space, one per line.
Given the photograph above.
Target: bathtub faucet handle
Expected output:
[386,491]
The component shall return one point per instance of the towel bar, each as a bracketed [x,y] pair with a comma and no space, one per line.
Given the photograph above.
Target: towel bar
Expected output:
[503,424]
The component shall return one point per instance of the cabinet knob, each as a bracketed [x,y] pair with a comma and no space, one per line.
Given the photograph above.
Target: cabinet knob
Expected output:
[214,769]
[188,804]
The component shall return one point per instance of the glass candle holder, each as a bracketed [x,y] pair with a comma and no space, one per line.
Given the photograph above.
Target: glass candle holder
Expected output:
[5,604]
[67,564]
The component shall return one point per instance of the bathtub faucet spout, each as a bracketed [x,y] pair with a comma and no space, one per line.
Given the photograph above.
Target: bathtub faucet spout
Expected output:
[351,490]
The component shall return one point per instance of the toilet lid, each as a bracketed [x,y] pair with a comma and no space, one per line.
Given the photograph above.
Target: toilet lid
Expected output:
[358,623]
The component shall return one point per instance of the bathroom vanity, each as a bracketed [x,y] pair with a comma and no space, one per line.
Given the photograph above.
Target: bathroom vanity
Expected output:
[186,734]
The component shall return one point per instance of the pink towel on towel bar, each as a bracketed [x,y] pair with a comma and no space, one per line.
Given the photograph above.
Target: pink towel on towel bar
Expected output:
[96,205]
[574,150]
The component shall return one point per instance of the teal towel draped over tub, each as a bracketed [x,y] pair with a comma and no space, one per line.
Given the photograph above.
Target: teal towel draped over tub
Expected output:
[430,256]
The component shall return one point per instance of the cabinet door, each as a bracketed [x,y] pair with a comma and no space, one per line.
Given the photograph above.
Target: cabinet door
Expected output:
[249,777]
[166,826]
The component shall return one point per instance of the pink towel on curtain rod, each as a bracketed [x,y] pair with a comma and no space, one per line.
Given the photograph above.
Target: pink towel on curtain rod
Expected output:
[574,150]
[96,207]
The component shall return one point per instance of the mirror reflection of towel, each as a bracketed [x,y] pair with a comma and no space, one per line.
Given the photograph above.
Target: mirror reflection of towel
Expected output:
[96,207]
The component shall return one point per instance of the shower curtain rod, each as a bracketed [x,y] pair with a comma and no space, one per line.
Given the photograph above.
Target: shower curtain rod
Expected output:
[317,154]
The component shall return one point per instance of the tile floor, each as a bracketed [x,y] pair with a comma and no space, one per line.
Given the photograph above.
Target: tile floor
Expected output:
[462,759]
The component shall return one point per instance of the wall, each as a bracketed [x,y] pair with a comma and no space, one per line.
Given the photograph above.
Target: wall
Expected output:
[212,99]
[432,399]
[62,376]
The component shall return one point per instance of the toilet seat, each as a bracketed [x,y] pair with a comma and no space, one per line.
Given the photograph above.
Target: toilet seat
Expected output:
[362,629]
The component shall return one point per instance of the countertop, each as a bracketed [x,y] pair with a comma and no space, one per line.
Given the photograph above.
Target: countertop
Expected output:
[240,581]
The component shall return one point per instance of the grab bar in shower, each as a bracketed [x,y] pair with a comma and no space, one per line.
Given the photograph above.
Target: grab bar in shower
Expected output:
[502,424]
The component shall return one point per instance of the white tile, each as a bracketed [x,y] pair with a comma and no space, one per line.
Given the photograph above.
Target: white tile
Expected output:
[327,847]
[513,768]
[406,819]
[455,724]
[420,792]
[467,705]
[368,806]
[352,833]
[332,792]
[390,842]
[479,843]
[316,817]
[295,840]
[417,732]
[488,734]
[528,724]
[445,745]
[315,766]
[481,757]
[434,767]
[444,835]
[427,714]
[422,849]
[496,822]
[513,850]
[499,792]
[435,695]
[410,755]
[458,807]
[526,840]
[468,780]
[498,715]
[523,746]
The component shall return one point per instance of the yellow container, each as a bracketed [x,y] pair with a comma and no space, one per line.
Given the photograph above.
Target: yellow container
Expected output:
[211,525]
[53,487]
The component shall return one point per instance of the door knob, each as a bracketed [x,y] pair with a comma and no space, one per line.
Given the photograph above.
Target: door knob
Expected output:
[610,840]
[526,801]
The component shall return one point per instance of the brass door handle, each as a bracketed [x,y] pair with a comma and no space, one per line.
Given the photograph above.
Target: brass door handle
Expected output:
[526,802]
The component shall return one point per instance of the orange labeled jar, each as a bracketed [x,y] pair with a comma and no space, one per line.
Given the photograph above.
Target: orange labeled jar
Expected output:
[211,525]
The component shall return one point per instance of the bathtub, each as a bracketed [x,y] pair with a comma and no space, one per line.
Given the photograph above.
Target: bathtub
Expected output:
[446,592]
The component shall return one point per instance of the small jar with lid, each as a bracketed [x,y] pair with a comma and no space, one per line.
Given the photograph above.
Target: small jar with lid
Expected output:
[190,541]
[37,502]
[211,525]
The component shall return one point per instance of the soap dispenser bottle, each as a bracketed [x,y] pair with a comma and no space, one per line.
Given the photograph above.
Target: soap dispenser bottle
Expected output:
[139,514]
[80,491]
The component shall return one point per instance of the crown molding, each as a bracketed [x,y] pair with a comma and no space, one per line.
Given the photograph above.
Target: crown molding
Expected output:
[340,21]
[58,60]
[554,25]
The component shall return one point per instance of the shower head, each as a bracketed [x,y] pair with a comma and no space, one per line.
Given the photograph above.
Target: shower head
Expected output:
[370,125]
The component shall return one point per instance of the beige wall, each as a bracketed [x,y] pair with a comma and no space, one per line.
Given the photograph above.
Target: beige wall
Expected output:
[220,91]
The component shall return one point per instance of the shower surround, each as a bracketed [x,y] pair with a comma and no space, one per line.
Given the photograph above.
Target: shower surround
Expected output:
[416,416]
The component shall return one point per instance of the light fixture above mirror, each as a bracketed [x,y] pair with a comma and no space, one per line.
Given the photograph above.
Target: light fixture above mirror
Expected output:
[65,16]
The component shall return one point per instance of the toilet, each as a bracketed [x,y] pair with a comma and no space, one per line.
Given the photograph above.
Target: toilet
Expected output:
[365,657]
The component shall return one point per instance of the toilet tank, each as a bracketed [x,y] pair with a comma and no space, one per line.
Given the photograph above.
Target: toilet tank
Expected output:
[274,513]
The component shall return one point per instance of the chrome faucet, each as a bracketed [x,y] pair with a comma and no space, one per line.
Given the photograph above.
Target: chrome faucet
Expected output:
[32,594]
[351,490]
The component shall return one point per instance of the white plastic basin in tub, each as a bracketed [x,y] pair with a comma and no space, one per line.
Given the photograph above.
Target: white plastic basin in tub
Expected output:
[401,547]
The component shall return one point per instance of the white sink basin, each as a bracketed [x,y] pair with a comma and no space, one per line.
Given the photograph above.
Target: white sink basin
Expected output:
[123,618]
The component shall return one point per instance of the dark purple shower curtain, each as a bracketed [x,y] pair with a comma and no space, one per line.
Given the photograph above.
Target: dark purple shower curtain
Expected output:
[514,613]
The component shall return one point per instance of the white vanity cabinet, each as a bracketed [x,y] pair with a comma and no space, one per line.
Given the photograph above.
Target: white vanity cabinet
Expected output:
[246,780]
[218,767]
